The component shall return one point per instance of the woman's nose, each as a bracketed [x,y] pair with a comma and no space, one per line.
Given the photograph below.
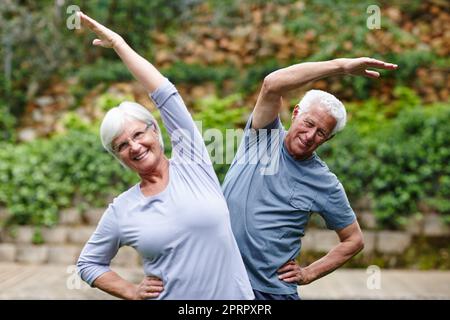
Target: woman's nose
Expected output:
[134,145]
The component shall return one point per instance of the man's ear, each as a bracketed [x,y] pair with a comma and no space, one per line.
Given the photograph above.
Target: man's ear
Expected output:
[295,112]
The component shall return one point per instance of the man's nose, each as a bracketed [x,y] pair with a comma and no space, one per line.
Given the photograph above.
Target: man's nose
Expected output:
[310,135]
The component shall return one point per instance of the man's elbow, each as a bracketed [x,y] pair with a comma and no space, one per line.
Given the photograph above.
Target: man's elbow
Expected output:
[359,242]
[270,84]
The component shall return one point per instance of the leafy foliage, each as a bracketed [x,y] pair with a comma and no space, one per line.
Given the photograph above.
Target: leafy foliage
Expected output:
[103,71]
[396,154]
[38,179]
[216,116]
[400,166]
[193,74]
[7,123]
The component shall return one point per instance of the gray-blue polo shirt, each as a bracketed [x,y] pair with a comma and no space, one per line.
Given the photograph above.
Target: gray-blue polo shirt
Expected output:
[271,196]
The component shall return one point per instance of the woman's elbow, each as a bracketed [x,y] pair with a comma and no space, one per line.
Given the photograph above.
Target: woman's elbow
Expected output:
[81,267]
[84,269]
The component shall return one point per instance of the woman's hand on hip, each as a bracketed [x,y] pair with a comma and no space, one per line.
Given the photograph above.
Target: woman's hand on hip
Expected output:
[150,287]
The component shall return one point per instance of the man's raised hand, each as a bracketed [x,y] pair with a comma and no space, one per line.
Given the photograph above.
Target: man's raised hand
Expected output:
[360,66]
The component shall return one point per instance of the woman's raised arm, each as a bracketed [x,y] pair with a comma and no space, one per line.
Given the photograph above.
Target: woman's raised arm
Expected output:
[141,69]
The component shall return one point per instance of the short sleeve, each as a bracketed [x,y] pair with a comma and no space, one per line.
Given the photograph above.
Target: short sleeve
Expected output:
[275,124]
[337,211]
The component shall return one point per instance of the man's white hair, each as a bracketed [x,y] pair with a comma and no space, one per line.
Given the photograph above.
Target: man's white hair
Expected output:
[115,121]
[329,102]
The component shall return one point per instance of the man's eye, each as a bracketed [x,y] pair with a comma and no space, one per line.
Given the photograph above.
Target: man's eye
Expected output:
[138,135]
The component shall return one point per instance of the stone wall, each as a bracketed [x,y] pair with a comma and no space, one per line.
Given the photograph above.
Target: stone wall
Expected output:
[318,239]
[62,244]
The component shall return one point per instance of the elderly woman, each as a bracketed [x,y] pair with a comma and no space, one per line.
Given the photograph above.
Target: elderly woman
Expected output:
[176,217]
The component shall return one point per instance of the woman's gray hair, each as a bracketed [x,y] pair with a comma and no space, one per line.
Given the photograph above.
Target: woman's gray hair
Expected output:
[115,119]
[328,101]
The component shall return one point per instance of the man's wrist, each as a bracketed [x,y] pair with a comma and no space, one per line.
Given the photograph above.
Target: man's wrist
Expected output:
[339,65]
[308,275]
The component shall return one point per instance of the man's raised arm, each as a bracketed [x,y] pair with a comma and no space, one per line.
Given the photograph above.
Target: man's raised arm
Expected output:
[277,83]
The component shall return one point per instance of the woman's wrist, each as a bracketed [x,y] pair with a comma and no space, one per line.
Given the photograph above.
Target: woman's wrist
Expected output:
[121,47]
[131,293]
[118,42]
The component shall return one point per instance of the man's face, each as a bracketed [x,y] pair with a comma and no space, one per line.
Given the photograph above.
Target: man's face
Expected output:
[308,131]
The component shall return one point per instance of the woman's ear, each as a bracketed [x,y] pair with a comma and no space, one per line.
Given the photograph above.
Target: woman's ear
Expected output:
[155,127]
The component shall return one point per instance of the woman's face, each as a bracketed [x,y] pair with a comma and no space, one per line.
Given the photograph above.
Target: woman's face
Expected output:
[138,146]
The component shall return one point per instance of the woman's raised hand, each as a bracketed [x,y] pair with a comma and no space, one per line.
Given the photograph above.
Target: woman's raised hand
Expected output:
[106,37]
[359,66]
[147,75]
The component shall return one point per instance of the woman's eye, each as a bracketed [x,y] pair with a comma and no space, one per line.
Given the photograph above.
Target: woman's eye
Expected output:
[122,147]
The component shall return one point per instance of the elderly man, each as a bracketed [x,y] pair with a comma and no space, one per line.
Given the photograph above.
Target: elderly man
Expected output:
[276,180]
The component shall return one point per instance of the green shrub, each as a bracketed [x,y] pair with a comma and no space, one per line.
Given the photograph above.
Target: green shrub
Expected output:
[254,75]
[37,236]
[348,155]
[193,74]
[400,163]
[410,60]
[372,115]
[396,154]
[7,123]
[35,49]
[103,71]
[219,114]
[136,19]
[38,48]
[39,178]
[412,163]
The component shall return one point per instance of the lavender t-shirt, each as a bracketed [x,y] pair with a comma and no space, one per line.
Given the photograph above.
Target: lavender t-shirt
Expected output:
[183,234]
